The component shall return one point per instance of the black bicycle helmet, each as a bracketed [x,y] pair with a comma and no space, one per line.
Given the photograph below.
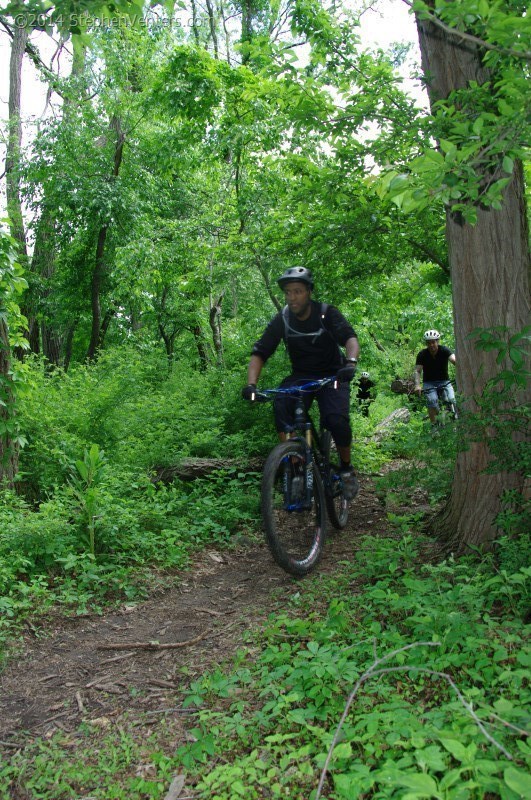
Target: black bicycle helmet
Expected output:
[296,274]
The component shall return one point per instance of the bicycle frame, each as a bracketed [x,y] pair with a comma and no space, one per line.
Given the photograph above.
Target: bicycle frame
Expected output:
[304,430]
[442,395]
[301,489]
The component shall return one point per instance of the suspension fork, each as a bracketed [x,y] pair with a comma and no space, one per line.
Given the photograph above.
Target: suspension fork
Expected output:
[309,461]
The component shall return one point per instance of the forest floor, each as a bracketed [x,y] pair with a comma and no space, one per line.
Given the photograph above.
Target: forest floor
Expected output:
[131,666]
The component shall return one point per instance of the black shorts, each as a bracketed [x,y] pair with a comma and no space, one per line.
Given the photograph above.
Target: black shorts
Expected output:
[333,407]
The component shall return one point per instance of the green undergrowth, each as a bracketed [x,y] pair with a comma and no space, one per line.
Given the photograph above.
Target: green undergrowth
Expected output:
[428,662]
[98,543]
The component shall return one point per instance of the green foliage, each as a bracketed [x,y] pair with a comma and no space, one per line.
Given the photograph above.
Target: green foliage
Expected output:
[481,128]
[12,376]
[411,730]
[97,523]
[84,490]
[430,658]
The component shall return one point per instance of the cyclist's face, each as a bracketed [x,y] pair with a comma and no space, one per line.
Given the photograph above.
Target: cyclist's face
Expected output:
[298,297]
[433,346]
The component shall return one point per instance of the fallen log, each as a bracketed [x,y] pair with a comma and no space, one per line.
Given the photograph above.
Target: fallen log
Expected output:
[191,468]
[387,425]
[403,386]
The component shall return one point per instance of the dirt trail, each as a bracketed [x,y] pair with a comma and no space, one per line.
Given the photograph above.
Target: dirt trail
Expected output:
[64,678]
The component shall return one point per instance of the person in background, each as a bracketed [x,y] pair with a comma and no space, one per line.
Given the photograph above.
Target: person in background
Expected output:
[313,334]
[365,394]
[432,369]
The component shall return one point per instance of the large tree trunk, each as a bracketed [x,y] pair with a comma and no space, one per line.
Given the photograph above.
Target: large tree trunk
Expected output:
[12,168]
[14,142]
[489,264]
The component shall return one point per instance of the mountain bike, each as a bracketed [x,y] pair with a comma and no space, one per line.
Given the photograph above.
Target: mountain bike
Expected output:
[301,485]
[447,405]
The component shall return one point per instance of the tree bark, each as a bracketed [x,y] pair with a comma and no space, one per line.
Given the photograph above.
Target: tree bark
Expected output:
[14,142]
[100,266]
[8,449]
[489,264]
[201,349]
[212,25]
[43,265]
[215,324]
[12,169]
[44,253]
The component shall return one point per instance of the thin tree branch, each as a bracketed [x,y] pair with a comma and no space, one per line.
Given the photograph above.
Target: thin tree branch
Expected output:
[31,51]
[372,672]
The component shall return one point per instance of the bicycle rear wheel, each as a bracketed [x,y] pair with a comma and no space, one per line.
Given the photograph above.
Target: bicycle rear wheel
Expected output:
[336,502]
[295,528]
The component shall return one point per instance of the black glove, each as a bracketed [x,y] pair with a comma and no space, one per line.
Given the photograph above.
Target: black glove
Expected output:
[346,373]
[249,391]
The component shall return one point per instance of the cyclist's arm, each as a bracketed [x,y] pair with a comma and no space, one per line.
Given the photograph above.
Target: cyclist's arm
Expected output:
[254,369]
[418,377]
[451,358]
[352,347]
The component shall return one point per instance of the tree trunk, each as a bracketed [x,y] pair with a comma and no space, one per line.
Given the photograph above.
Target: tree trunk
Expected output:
[69,343]
[263,272]
[43,265]
[201,349]
[8,450]
[14,142]
[212,24]
[44,253]
[12,169]
[215,324]
[100,267]
[489,264]
[247,29]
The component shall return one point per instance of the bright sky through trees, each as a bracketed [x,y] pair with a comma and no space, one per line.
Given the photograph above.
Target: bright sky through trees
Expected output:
[383,24]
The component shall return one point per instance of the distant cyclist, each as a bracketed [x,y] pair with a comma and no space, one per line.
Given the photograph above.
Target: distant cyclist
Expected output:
[432,367]
[365,393]
[313,334]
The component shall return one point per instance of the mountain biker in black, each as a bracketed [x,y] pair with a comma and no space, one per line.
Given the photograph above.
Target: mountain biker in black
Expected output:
[365,393]
[432,367]
[313,333]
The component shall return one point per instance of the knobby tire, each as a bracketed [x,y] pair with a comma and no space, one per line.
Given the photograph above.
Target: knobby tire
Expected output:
[294,531]
[336,503]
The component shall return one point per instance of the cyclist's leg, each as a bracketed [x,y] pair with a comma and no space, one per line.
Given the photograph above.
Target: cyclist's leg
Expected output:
[334,405]
[334,411]
[448,393]
[432,399]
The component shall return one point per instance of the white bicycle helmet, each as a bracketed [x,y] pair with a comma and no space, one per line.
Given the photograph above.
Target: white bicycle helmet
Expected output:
[364,375]
[431,336]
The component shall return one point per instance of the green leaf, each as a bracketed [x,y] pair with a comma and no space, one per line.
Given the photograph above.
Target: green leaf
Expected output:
[343,750]
[82,469]
[508,164]
[458,750]
[518,781]
[423,785]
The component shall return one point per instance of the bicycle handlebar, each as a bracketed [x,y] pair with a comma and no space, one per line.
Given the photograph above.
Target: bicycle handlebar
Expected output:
[264,395]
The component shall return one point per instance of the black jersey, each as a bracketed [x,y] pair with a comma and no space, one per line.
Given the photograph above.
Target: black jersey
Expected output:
[312,344]
[434,368]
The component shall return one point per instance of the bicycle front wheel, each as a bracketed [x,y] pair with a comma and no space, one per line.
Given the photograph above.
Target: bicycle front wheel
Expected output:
[294,519]
[336,502]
